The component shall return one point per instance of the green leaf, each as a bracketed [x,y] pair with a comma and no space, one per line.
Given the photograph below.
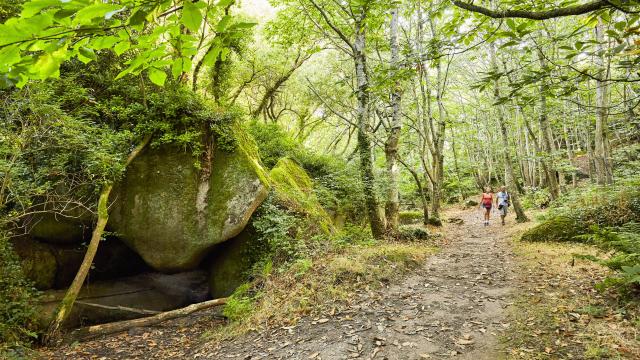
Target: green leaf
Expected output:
[34,7]
[9,56]
[225,3]
[191,16]
[87,53]
[104,42]
[224,22]
[157,76]
[46,66]
[89,13]
[122,47]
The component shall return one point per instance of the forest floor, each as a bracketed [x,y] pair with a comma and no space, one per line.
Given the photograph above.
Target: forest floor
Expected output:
[482,296]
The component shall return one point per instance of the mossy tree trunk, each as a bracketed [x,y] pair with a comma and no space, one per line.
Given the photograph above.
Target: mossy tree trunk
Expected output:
[64,309]
[376,219]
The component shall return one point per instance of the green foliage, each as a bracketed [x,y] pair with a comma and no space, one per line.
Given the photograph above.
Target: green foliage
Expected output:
[49,32]
[536,198]
[17,301]
[337,184]
[354,235]
[277,230]
[601,205]
[240,304]
[411,217]
[622,245]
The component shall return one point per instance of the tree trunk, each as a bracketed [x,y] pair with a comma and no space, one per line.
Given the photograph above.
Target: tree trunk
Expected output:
[510,178]
[393,140]
[103,216]
[602,157]
[549,168]
[376,218]
[438,135]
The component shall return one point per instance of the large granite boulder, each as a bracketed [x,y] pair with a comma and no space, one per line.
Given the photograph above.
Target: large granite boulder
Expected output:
[292,190]
[173,208]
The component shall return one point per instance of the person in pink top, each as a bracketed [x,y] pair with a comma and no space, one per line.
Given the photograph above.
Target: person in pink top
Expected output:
[485,203]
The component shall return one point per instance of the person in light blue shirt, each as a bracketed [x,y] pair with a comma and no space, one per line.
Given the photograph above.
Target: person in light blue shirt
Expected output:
[502,202]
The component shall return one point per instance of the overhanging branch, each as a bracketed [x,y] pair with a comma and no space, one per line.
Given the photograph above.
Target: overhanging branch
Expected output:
[535,15]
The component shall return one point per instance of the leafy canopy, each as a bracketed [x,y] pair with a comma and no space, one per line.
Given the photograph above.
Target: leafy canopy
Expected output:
[158,34]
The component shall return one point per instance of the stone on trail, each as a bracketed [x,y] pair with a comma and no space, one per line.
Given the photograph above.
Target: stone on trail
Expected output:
[172,213]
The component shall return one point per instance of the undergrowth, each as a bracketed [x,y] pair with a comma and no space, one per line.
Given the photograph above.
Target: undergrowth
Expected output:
[17,304]
[606,217]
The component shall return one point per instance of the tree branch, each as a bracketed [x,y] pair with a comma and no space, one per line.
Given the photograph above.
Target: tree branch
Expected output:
[536,15]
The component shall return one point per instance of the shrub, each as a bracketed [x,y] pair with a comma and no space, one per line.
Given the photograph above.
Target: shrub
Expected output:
[17,301]
[411,217]
[536,198]
[413,233]
[240,304]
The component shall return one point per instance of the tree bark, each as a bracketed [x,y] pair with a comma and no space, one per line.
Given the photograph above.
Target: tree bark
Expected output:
[391,146]
[536,15]
[549,168]
[604,173]
[67,302]
[365,149]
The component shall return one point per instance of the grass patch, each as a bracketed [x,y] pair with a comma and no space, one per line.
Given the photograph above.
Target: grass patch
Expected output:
[315,286]
[558,313]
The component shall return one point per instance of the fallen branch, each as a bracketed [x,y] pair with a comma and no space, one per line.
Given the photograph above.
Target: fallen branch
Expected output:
[119,308]
[114,327]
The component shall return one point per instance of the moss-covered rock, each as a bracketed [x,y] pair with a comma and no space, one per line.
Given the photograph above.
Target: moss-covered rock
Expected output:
[230,263]
[172,213]
[38,262]
[559,228]
[57,229]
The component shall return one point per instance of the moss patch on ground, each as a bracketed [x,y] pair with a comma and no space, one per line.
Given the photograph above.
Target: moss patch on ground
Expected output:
[559,228]
[558,313]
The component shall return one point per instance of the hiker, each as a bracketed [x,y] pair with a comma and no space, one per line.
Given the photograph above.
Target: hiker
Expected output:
[485,203]
[502,202]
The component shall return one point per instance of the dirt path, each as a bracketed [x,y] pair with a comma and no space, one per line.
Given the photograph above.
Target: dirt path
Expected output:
[453,306]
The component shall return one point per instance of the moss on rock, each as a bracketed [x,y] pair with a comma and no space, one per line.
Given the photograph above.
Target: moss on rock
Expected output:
[38,262]
[60,230]
[173,214]
[559,228]
[293,190]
